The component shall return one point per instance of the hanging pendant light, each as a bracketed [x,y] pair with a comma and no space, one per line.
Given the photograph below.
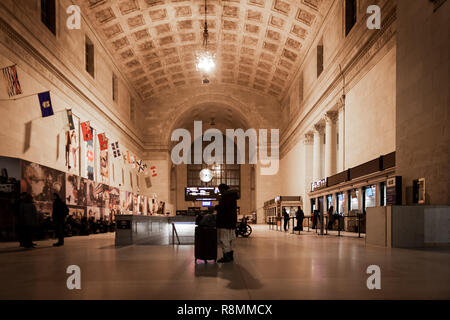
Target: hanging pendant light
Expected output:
[205,59]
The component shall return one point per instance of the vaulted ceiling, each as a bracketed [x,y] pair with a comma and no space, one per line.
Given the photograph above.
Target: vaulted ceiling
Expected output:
[258,43]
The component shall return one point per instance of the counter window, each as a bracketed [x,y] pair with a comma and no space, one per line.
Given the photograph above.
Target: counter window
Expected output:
[329,201]
[353,199]
[340,203]
[382,194]
[369,197]
[313,205]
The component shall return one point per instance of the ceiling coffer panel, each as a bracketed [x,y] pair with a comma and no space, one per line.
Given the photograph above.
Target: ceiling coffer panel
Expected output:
[258,44]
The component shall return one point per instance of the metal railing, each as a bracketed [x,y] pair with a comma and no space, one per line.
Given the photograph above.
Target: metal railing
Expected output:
[277,223]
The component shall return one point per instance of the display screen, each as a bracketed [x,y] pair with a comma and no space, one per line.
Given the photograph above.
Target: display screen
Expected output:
[201,193]
[206,203]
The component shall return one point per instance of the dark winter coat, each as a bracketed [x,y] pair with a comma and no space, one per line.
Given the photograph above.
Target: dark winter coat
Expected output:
[60,211]
[28,214]
[227,210]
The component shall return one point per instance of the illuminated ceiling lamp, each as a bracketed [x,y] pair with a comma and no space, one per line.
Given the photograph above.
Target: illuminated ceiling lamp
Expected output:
[205,59]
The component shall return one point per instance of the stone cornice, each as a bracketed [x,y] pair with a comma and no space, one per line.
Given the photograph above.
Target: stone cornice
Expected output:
[353,69]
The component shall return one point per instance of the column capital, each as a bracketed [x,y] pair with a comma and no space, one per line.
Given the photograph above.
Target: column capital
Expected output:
[331,116]
[319,127]
[309,138]
[340,104]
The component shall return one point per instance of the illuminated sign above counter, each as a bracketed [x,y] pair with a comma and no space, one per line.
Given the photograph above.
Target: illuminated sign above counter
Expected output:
[321,184]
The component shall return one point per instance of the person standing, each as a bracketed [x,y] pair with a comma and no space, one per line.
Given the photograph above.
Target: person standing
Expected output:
[226,221]
[330,217]
[60,212]
[27,219]
[299,215]
[286,219]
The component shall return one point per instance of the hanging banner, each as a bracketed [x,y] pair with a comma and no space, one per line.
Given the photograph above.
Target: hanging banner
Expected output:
[104,164]
[12,81]
[89,154]
[87,131]
[103,141]
[73,148]
[46,104]
[115,149]
[70,119]
[148,182]
[141,166]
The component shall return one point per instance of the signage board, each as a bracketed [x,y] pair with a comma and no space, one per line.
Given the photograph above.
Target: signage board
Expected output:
[317,185]
[201,193]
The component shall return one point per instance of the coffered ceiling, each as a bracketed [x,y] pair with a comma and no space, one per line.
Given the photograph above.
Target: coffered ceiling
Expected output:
[258,43]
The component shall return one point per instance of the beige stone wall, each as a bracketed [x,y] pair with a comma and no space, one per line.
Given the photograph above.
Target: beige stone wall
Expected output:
[370,114]
[423,99]
[160,183]
[367,59]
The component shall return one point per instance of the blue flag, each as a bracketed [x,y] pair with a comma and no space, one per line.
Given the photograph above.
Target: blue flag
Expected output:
[46,104]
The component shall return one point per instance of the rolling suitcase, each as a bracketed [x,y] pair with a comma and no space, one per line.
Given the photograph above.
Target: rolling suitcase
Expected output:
[205,243]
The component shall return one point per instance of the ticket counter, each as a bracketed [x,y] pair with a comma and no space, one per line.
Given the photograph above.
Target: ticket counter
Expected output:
[155,230]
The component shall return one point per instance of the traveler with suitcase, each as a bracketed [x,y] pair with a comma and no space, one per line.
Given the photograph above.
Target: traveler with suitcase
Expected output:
[226,221]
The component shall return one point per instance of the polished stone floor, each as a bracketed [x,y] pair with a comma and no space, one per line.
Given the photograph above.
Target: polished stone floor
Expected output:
[269,265]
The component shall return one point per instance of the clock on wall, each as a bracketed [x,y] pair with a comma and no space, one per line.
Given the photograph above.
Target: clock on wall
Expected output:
[206,175]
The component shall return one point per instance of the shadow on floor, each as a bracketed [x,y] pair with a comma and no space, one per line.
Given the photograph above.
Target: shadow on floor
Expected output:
[21,249]
[239,278]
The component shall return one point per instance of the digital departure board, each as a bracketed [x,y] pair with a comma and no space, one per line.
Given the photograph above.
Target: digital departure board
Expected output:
[201,193]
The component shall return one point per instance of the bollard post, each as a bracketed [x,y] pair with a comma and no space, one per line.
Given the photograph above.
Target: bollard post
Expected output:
[359,225]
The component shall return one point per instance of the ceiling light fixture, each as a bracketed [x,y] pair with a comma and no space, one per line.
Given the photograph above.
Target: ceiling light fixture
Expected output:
[205,59]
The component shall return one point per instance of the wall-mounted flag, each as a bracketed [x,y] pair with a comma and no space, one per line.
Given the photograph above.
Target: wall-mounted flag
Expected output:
[153,169]
[115,149]
[12,81]
[148,182]
[103,141]
[70,119]
[46,104]
[87,131]
[141,166]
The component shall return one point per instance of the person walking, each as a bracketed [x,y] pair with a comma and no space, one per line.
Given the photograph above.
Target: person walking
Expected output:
[27,220]
[299,215]
[286,219]
[226,221]
[60,212]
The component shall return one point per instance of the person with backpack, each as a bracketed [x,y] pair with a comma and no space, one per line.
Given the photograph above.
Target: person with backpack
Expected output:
[60,212]
[226,221]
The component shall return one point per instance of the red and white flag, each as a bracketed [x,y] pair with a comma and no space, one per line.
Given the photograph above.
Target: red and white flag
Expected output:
[153,169]
[87,131]
[12,81]
[103,141]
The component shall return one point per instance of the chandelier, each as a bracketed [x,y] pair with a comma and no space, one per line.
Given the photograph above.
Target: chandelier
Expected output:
[205,59]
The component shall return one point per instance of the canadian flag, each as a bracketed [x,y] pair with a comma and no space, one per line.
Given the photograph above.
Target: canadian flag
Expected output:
[153,169]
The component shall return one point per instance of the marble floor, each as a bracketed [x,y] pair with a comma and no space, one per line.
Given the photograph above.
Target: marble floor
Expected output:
[268,265]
